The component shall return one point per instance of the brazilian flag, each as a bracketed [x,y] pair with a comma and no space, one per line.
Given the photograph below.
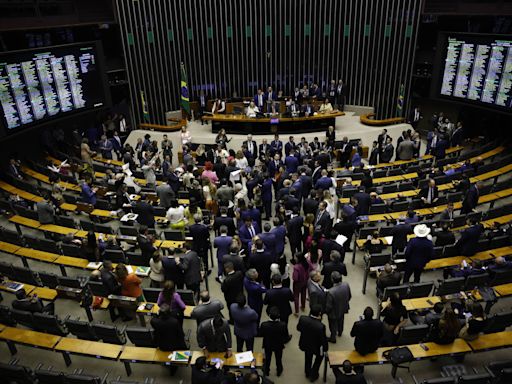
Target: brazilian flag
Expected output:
[400,102]
[145,111]
[185,101]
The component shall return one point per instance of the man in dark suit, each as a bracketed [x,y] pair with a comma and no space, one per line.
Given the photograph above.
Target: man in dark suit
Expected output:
[190,263]
[168,331]
[337,305]
[261,260]
[317,172]
[348,375]
[274,164]
[224,220]
[387,151]
[269,239]
[289,145]
[316,292]
[232,285]
[470,199]
[324,182]
[367,333]
[264,150]
[260,99]
[399,233]
[246,323]
[323,219]
[444,236]
[172,271]
[364,202]
[313,341]
[291,162]
[277,145]
[203,105]
[388,277]
[448,214]
[234,258]
[247,231]
[279,297]
[251,146]
[294,231]
[418,253]
[270,98]
[468,242]
[222,244]
[31,304]
[310,204]
[275,336]
[335,264]
[201,235]
[429,194]
[329,245]
[345,151]
[146,246]
[214,335]
[266,195]
[279,231]
[144,210]
[340,95]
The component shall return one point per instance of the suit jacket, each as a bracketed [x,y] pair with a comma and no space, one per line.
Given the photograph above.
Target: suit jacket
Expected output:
[112,286]
[246,321]
[222,243]
[317,295]
[168,333]
[45,213]
[172,271]
[245,235]
[330,267]
[203,311]
[312,335]
[424,193]
[269,239]
[468,242]
[444,238]
[201,235]
[146,247]
[165,194]
[275,335]
[338,299]
[214,341]
[255,291]
[294,229]
[263,101]
[446,215]
[323,183]
[277,146]
[324,221]
[255,148]
[280,297]
[368,334]
[280,234]
[265,150]
[419,252]
[237,261]
[146,214]
[363,203]
[262,261]
[232,286]
[266,190]
[387,153]
[470,200]
[329,245]
[227,221]
[28,304]
[288,147]
[399,233]
[191,266]
[310,206]
[292,164]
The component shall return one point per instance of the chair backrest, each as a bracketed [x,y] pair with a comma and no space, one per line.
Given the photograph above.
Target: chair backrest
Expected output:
[18,374]
[348,192]
[110,334]
[97,288]
[450,286]
[450,250]
[86,225]
[66,221]
[378,208]
[50,324]
[378,259]
[402,291]
[441,380]
[367,231]
[49,279]
[389,188]
[499,322]
[71,282]
[438,253]
[420,290]
[6,316]
[81,329]
[474,281]
[128,231]
[174,235]
[497,366]
[6,269]
[395,172]
[82,379]
[115,255]
[187,296]
[103,228]
[454,197]
[31,241]
[407,186]
[26,275]
[483,245]
[70,250]
[499,241]
[23,317]
[48,245]
[45,376]
[141,337]
[501,277]
[480,378]
[151,294]
[413,334]
[11,237]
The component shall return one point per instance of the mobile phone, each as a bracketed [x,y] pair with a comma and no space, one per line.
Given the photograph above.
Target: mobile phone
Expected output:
[424,347]
[430,302]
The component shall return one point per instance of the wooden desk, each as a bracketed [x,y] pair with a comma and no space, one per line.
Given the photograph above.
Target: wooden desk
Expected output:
[26,222]
[492,253]
[74,262]
[100,159]
[27,337]
[142,313]
[487,342]
[420,303]
[446,262]
[44,293]
[8,247]
[35,254]
[228,362]
[147,355]
[169,244]
[58,229]
[504,289]
[97,349]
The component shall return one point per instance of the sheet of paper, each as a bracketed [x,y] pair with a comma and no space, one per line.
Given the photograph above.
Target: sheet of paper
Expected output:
[129,268]
[341,239]
[244,357]
[389,239]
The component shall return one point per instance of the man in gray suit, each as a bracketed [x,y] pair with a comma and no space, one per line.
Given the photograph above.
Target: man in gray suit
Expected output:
[45,211]
[337,304]
[207,308]
[225,192]
[190,264]
[214,335]
[405,150]
[317,293]
[165,194]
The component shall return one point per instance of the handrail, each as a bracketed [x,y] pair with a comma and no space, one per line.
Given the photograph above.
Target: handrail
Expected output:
[369,119]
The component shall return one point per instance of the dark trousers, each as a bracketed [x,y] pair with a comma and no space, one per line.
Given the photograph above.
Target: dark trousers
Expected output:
[249,344]
[194,288]
[268,359]
[408,273]
[268,209]
[299,290]
[311,368]
[295,246]
[336,326]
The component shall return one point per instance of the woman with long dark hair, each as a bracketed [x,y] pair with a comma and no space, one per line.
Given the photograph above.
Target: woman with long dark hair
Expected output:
[301,269]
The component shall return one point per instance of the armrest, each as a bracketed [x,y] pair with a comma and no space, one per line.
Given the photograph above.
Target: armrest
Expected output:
[122,329]
[104,379]
[39,366]
[415,379]
[14,361]
[67,318]
[78,371]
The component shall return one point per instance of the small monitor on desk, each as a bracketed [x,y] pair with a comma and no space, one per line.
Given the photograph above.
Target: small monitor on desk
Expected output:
[274,120]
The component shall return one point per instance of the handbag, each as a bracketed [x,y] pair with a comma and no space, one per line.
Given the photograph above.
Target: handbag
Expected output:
[399,355]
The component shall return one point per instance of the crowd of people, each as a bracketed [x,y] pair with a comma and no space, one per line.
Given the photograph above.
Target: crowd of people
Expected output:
[252,203]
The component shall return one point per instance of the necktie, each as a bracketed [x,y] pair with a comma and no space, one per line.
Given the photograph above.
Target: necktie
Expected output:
[429,197]
[251,231]
[318,217]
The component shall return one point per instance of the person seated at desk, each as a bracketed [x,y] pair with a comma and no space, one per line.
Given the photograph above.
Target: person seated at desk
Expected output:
[430,194]
[465,270]
[347,375]
[293,109]
[219,106]
[88,193]
[429,316]
[447,329]
[45,211]
[367,333]
[374,244]
[468,242]
[205,373]
[388,277]
[445,236]
[252,110]
[475,324]
[32,304]
[307,109]
[326,107]
[500,264]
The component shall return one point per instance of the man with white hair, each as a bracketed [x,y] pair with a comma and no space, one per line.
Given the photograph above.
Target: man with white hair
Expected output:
[251,146]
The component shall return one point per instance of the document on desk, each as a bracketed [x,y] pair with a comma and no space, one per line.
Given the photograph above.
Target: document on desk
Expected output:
[244,357]
[389,239]
[180,356]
